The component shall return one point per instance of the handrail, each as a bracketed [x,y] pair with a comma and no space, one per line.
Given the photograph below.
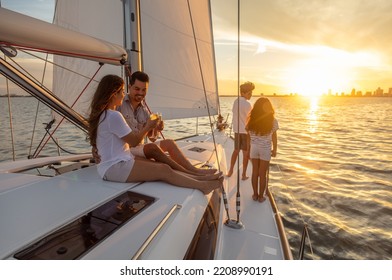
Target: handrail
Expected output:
[279,223]
[305,234]
[155,232]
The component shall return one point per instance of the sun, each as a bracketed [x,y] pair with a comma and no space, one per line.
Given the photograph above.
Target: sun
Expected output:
[324,70]
[315,80]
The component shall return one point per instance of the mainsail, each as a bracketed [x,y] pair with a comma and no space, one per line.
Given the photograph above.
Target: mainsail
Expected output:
[182,69]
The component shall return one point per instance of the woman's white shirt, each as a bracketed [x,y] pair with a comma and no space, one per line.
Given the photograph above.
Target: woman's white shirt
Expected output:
[112,149]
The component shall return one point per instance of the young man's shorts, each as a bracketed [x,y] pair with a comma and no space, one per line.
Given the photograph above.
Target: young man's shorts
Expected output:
[240,141]
[119,172]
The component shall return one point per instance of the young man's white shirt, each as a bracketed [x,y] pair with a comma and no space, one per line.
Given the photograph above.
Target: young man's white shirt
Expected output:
[245,108]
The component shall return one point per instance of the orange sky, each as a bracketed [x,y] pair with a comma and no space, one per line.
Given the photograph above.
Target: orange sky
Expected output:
[292,46]
[304,46]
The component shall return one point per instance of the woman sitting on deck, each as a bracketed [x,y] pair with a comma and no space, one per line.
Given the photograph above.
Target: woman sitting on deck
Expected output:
[109,132]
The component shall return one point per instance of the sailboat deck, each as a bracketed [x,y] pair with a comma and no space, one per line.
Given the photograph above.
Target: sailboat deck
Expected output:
[37,206]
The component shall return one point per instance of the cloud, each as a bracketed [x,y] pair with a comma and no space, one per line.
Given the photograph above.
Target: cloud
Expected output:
[349,25]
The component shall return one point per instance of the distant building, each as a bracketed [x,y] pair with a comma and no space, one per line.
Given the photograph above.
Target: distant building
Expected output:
[379,92]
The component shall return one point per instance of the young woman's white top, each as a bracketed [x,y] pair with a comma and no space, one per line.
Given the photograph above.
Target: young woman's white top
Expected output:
[260,145]
[112,149]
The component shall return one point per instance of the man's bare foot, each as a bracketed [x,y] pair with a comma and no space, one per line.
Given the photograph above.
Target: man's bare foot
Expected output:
[203,171]
[206,177]
[229,173]
[244,177]
[213,185]
[254,197]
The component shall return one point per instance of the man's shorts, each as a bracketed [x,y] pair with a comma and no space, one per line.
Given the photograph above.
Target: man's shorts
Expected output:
[120,171]
[138,151]
[240,141]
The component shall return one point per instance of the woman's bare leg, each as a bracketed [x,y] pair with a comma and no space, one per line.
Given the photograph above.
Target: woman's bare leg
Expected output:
[255,178]
[152,151]
[142,171]
[264,165]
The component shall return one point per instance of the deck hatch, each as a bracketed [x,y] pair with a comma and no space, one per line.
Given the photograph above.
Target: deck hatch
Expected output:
[76,238]
[197,149]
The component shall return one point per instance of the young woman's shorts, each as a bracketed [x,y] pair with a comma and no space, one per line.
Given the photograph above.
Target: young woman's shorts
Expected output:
[119,172]
[240,141]
[260,152]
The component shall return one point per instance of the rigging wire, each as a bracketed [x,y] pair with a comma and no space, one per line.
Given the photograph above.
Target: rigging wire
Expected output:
[10,116]
[38,104]
[41,84]
[73,104]
[208,108]
[238,194]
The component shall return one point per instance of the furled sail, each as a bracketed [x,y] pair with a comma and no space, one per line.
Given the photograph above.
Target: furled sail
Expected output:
[182,70]
[32,34]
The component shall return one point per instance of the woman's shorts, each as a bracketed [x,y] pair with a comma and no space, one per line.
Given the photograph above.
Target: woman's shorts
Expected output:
[260,152]
[119,172]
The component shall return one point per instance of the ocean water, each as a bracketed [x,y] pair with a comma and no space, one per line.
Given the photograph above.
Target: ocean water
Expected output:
[333,171]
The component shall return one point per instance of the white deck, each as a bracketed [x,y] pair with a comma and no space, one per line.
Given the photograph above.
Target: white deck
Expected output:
[31,207]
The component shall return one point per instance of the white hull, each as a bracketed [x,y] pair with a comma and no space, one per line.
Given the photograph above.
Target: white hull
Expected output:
[33,207]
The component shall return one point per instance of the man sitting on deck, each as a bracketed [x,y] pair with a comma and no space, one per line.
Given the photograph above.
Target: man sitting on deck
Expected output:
[136,115]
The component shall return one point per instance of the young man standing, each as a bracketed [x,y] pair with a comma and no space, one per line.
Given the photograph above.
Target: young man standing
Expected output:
[241,109]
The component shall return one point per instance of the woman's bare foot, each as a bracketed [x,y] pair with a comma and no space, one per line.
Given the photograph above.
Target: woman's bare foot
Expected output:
[254,197]
[261,198]
[212,185]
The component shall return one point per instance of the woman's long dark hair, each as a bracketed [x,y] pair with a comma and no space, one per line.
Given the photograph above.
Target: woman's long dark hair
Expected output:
[261,118]
[107,88]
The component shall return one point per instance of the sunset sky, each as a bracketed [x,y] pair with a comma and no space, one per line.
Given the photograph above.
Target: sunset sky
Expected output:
[293,46]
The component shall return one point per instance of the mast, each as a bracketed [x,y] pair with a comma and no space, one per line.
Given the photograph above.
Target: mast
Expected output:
[132,37]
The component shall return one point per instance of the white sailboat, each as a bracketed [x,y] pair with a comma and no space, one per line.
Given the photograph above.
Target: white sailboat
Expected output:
[74,214]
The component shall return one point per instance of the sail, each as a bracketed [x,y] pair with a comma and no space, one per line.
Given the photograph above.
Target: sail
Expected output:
[100,19]
[182,71]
